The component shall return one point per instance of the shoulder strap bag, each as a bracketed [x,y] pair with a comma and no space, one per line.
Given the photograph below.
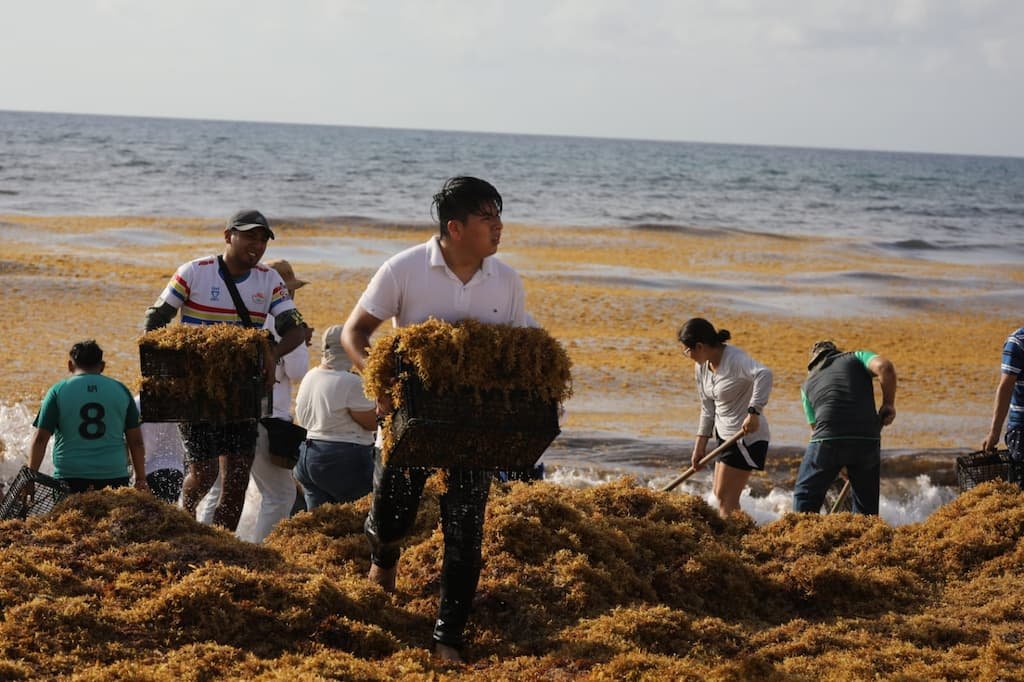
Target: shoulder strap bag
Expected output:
[243,313]
[229,281]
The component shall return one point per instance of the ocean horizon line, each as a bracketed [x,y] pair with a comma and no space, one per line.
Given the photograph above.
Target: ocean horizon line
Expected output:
[513,134]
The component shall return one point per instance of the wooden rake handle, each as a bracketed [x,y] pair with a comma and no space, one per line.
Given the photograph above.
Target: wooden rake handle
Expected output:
[840,498]
[707,458]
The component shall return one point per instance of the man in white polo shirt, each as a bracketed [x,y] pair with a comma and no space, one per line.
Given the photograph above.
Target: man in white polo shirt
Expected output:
[451,277]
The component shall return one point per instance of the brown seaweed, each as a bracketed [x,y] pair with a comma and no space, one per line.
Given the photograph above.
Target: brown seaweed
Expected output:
[210,363]
[610,582]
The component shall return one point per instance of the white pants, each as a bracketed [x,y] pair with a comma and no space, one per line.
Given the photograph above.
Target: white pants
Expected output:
[268,499]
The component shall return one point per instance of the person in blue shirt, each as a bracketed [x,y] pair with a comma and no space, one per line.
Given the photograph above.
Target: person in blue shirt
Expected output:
[1009,405]
[92,418]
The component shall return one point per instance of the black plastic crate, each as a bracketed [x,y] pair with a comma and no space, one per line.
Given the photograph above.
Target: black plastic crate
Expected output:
[245,401]
[469,429]
[46,492]
[978,467]
[165,362]
[246,394]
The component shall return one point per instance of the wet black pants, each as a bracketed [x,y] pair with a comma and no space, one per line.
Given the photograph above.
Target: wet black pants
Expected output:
[396,499]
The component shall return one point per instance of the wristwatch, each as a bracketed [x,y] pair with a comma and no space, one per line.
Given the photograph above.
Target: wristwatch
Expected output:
[753,410]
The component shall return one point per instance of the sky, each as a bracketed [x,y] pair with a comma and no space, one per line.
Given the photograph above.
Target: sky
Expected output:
[909,75]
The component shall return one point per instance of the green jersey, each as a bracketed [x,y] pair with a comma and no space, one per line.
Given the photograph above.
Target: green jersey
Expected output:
[88,415]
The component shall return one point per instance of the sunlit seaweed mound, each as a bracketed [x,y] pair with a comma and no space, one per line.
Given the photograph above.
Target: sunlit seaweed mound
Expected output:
[611,582]
[470,353]
[202,367]
[459,364]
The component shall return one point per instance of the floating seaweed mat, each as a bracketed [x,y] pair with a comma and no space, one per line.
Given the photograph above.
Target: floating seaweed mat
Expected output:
[212,373]
[469,395]
[611,582]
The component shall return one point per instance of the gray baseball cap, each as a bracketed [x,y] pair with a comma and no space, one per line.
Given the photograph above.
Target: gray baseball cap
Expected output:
[247,219]
[333,352]
[819,350]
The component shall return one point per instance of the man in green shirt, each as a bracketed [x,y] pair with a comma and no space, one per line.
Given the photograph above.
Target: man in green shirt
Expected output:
[846,429]
[92,418]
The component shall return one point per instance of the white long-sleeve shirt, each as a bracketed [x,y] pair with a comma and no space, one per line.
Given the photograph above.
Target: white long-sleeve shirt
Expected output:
[725,393]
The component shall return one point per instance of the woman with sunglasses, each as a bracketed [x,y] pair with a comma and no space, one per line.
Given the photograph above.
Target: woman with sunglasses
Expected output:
[733,389]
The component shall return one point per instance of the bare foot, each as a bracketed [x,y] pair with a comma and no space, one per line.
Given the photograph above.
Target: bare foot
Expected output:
[385,577]
[448,654]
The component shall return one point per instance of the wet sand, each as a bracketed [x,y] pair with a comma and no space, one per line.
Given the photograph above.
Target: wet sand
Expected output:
[614,297]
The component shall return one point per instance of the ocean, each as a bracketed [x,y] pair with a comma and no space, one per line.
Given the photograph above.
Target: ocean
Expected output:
[960,209]
[938,206]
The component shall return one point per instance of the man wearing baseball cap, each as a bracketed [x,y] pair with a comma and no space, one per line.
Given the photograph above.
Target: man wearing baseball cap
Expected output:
[846,429]
[200,290]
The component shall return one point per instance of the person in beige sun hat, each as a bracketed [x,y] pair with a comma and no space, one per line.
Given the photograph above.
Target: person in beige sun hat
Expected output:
[284,268]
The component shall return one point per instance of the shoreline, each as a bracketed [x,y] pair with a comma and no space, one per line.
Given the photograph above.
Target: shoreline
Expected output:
[613,296]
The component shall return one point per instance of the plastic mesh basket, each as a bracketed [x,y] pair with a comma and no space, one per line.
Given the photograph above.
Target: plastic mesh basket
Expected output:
[31,494]
[161,367]
[469,429]
[978,467]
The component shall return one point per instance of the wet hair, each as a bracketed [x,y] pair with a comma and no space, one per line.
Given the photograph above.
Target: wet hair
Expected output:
[86,354]
[698,330]
[461,196]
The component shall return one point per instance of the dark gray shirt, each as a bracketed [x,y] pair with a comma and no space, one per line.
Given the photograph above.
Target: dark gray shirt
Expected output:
[839,398]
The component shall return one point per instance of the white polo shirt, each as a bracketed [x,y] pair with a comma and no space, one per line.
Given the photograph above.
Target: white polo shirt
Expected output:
[417,284]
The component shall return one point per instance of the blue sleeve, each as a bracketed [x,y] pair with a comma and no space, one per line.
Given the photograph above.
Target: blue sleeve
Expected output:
[1013,356]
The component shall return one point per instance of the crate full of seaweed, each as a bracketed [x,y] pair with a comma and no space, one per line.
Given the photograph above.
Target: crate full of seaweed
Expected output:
[468,395]
[210,374]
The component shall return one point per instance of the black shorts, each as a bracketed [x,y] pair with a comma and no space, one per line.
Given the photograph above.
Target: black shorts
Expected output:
[208,441]
[745,456]
[165,484]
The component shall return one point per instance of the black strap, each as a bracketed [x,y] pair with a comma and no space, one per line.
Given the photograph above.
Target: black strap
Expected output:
[243,312]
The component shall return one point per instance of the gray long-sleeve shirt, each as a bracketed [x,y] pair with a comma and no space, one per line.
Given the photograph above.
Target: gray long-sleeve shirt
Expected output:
[737,383]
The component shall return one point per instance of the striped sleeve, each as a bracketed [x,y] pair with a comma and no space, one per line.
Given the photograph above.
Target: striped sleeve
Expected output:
[179,288]
[1013,354]
[280,300]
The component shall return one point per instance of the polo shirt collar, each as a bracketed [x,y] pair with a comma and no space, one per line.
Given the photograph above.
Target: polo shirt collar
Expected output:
[437,258]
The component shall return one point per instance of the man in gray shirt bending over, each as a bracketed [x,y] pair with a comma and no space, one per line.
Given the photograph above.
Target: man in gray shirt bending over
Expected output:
[839,401]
